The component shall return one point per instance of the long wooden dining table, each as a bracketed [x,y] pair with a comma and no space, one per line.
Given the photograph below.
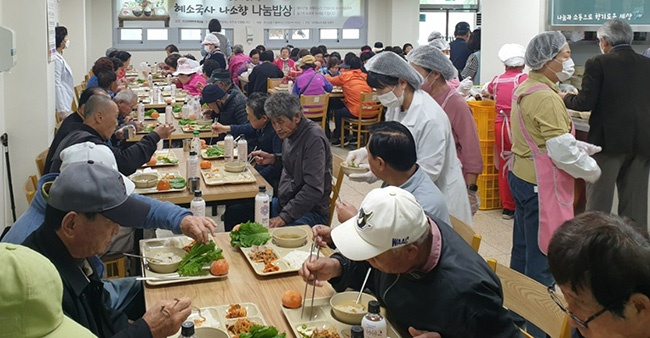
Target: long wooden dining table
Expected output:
[241,286]
[216,193]
[178,134]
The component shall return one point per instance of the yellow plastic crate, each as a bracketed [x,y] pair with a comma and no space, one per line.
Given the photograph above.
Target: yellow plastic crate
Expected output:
[488,192]
[484,115]
[487,154]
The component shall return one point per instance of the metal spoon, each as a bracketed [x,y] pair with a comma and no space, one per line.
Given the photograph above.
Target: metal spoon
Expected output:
[143,257]
[363,286]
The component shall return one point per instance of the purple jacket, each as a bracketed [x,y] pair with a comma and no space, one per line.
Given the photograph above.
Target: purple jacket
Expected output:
[319,85]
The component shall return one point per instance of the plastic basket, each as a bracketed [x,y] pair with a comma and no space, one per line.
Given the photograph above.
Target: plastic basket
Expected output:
[488,192]
[487,154]
[484,114]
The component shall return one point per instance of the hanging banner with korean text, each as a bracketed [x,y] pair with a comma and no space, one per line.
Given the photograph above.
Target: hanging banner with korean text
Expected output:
[268,13]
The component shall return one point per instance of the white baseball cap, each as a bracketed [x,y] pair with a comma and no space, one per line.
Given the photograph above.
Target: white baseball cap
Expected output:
[88,151]
[512,55]
[389,218]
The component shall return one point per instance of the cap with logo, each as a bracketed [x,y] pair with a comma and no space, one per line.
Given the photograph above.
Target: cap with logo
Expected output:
[389,218]
[92,187]
[31,296]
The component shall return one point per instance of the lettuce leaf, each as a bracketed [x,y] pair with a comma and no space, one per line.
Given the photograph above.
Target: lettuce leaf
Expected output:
[259,331]
[249,234]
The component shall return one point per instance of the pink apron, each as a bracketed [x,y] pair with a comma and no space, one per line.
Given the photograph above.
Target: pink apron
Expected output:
[554,186]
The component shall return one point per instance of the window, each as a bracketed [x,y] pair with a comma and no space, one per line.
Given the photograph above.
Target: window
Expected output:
[131,34]
[157,34]
[351,34]
[329,34]
[277,34]
[300,34]
[444,20]
[190,34]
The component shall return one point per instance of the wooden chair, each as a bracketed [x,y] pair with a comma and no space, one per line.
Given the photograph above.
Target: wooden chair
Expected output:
[530,299]
[336,185]
[77,91]
[369,114]
[30,188]
[315,107]
[273,82]
[40,161]
[466,232]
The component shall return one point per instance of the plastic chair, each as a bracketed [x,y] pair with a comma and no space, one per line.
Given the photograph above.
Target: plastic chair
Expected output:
[336,185]
[369,114]
[30,188]
[273,82]
[315,107]
[466,232]
[530,299]
[40,161]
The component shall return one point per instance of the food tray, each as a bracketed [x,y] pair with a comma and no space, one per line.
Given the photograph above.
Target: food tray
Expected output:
[167,153]
[205,156]
[217,175]
[145,125]
[189,128]
[154,190]
[215,317]
[281,252]
[322,318]
[146,245]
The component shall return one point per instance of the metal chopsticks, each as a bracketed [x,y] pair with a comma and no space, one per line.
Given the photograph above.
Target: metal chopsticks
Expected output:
[304,298]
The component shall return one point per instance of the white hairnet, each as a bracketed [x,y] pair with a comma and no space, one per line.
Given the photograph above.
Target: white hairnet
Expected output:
[430,57]
[434,36]
[391,64]
[441,44]
[512,54]
[543,48]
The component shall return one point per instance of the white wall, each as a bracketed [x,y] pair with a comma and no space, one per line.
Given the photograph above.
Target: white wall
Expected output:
[28,89]
[72,15]
[394,22]
[507,21]
[5,214]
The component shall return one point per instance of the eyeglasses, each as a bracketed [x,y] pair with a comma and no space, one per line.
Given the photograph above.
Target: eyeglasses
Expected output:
[583,324]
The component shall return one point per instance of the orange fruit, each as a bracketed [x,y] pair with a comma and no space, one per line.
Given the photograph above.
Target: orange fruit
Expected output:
[206,164]
[163,185]
[219,267]
[152,161]
[192,117]
[155,115]
[292,299]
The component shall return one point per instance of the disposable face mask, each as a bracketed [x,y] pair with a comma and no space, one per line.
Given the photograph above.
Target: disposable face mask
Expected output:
[67,44]
[206,48]
[390,100]
[427,85]
[568,68]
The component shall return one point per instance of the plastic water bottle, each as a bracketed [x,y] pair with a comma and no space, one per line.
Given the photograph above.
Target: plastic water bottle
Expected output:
[187,329]
[373,323]
[197,206]
[262,207]
[192,168]
[195,145]
[169,114]
[228,148]
[242,149]
[173,91]
[185,111]
[140,111]
[150,79]
[169,79]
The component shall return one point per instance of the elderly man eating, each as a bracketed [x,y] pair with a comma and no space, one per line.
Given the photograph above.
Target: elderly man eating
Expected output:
[86,205]
[306,161]
[430,281]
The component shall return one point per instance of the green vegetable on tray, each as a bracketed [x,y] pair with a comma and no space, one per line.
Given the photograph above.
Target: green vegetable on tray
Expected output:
[166,159]
[260,331]
[149,128]
[149,112]
[200,255]
[141,80]
[177,108]
[176,182]
[249,234]
[186,121]
[214,151]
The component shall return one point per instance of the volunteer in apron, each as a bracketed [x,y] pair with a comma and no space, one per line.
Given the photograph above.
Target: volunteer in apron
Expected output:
[398,89]
[501,88]
[436,69]
[547,156]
